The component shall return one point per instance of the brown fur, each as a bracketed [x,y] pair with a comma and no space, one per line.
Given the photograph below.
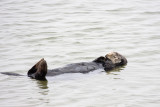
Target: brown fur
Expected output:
[110,61]
[39,70]
[116,58]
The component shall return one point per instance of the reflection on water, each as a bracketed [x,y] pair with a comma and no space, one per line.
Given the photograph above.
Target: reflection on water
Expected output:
[42,84]
[115,70]
[68,31]
[42,92]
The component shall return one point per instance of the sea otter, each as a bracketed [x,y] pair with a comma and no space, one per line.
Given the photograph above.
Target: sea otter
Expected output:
[39,71]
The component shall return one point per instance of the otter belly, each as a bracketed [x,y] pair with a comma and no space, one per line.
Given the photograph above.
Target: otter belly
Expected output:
[83,67]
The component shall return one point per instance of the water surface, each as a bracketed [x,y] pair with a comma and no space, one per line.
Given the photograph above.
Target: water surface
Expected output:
[67,31]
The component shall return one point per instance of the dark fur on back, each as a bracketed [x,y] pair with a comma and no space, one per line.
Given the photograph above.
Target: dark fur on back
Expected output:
[39,71]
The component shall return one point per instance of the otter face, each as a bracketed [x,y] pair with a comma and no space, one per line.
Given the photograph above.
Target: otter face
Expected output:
[116,58]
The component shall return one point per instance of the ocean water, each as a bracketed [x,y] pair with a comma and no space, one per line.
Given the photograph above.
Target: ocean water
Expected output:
[69,31]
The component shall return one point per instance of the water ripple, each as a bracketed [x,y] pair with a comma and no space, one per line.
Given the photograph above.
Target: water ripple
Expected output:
[67,31]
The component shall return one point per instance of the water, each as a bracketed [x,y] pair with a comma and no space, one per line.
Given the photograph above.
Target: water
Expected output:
[68,31]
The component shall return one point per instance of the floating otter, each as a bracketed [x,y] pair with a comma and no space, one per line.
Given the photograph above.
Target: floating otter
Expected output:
[39,71]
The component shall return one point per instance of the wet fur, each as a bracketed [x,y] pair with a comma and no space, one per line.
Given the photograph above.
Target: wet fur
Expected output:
[39,71]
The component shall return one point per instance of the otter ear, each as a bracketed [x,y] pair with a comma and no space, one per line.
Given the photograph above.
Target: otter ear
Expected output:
[100,59]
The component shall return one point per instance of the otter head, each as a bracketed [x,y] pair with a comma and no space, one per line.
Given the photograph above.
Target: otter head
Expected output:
[116,58]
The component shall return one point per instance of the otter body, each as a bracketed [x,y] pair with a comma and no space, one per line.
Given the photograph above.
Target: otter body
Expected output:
[39,71]
[83,67]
